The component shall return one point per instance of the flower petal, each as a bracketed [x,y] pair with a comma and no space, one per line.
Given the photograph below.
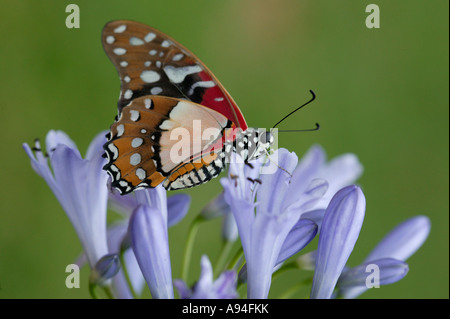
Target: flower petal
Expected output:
[307,169]
[243,211]
[116,234]
[54,138]
[229,228]
[316,216]
[105,269]
[403,241]
[216,207]
[96,146]
[40,166]
[149,239]
[267,236]
[205,288]
[83,184]
[278,181]
[299,236]
[341,171]
[340,230]
[385,271]
[177,208]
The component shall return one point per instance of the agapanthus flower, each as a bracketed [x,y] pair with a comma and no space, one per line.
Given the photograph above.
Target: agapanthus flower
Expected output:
[389,256]
[224,287]
[148,230]
[106,268]
[177,206]
[264,227]
[79,185]
[339,172]
[339,232]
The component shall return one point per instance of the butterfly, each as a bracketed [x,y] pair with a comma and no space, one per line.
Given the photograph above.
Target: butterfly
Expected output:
[176,123]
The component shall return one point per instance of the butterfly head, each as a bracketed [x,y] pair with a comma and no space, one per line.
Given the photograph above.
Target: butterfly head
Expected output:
[265,141]
[253,143]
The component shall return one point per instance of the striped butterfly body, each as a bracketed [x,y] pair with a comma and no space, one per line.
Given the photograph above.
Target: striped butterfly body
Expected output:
[176,123]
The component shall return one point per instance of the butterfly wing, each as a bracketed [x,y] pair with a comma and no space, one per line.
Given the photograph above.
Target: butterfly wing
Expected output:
[157,139]
[151,63]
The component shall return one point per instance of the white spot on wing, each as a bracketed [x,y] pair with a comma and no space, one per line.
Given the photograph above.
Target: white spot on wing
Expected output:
[114,150]
[110,39]
[123,183]
[149,37]
[156,90]
[120,130]
[128,94]
[166,43]
[177,57]
[203,84]
[136,41]
[134,115]
[135,159]
[148,103]
[150,76]
[202,175]
[119,51]
[194,177]
[140,173]
[137,141]
[123,64]
[120,28]
[167,125]
[177,75]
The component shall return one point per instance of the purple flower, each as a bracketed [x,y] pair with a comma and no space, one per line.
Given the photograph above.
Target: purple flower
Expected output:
[223,287]
[389,256]
[105,269]
[340,230]
[79,185]
[176,207]
[148,230]
[264,226]
[374,273]
[117,234]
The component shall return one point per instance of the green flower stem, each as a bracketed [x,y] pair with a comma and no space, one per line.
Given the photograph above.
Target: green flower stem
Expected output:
[125,272]
[236,258]
[291,291]
[107,290]
[95,295]
[92,291]
[221,261]
[188,248]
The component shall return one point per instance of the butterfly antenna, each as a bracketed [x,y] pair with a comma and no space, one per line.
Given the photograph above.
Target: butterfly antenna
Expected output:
[312,99]
[307,130]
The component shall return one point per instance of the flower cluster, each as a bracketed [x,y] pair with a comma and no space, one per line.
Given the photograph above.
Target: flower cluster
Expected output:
[275,216]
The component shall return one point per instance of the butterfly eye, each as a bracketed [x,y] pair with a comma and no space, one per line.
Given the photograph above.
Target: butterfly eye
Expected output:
[269,137]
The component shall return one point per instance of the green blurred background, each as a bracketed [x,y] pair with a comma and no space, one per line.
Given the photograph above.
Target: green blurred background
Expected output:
[381,94]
